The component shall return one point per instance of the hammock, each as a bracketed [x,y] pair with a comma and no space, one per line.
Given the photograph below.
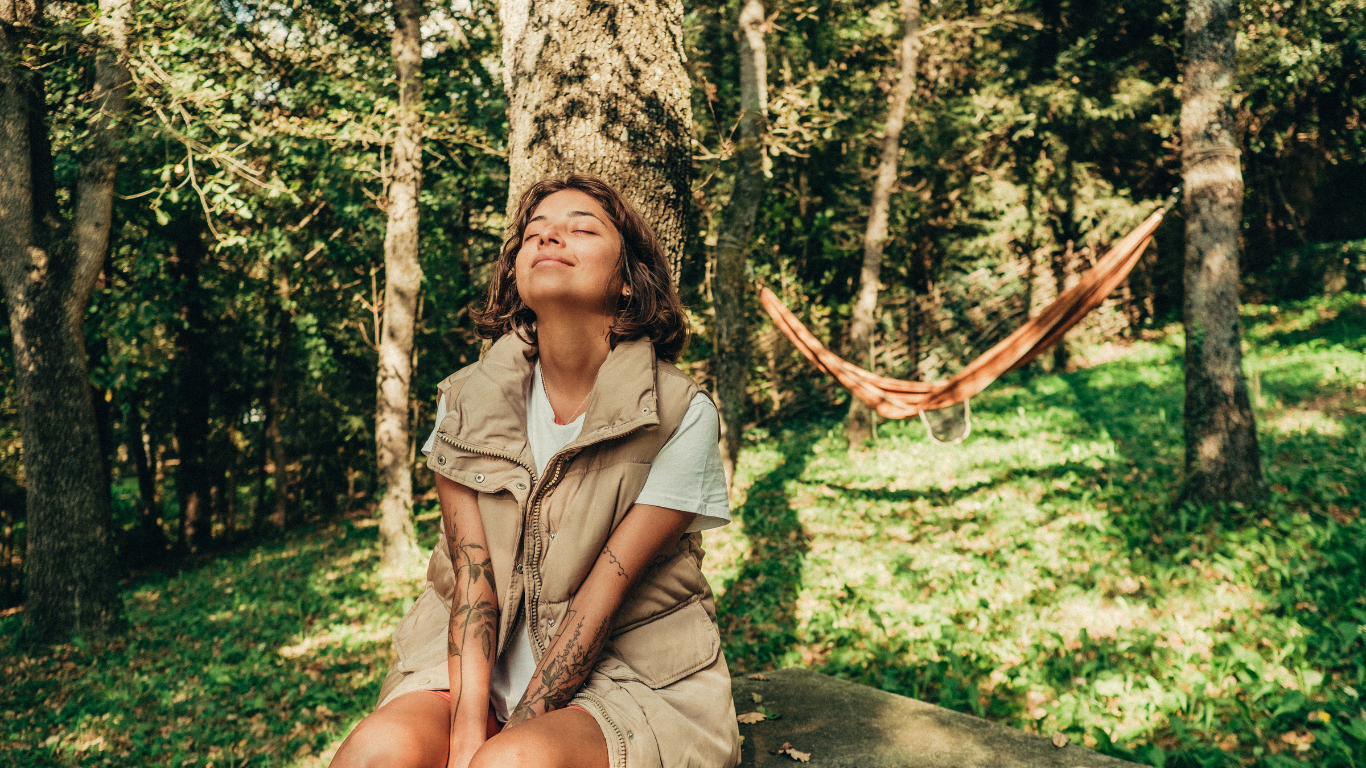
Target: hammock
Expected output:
[897,399]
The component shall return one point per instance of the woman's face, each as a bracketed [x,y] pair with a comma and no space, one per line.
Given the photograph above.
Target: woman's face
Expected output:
[569,256]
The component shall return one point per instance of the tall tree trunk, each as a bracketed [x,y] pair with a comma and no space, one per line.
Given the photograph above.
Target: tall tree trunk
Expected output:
[402,280]
[1061,263]
[1222,462]
[147,542]
[860,422]
[48,275]
[600,88]
[731,361]
[194,361]
[275,406]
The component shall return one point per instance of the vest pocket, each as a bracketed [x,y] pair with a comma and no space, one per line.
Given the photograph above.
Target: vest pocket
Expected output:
[668,649]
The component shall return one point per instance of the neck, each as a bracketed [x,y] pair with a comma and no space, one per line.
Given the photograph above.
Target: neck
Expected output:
[571,354]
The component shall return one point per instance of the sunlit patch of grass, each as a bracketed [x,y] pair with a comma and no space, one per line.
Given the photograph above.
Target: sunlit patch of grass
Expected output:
[1039,574]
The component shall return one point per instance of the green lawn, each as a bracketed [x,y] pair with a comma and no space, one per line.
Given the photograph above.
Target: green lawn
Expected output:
[1036,575]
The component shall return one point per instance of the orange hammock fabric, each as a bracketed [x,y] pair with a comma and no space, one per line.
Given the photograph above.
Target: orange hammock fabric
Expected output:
[896,399]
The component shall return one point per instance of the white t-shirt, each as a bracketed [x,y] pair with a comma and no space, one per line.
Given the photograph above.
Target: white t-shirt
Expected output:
[686,475]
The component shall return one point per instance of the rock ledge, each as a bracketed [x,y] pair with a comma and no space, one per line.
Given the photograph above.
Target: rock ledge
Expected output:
[846,725]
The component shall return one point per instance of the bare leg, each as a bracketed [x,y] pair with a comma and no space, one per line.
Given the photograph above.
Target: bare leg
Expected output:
[412,731]
[565,738]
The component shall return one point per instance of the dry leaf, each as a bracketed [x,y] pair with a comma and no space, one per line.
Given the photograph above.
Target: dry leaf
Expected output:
[749,718]
[757,698]
[795,754]
[758,676]
[1059,739]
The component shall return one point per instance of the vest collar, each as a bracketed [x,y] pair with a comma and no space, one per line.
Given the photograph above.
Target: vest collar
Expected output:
[490,409]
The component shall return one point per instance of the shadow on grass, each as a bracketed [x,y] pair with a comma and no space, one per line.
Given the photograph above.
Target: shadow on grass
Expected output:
[262,658]
[756,613]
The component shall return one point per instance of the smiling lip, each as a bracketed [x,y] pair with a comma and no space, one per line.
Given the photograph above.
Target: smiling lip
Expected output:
[542,259]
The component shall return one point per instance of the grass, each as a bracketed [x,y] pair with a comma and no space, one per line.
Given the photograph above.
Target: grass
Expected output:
[1036,575]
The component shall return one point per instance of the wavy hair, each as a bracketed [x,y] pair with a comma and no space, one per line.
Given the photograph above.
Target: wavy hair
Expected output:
[653,309]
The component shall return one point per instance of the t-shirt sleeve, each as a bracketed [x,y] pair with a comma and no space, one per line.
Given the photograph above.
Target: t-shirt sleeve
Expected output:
[431,437]
[686,474]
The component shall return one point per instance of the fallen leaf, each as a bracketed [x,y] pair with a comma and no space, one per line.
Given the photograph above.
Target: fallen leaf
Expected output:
[794,753]
[757,698]
[750,718]
[758,676]
[1059,739]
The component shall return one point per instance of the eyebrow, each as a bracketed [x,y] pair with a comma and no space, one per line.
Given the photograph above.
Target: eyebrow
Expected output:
[571,213]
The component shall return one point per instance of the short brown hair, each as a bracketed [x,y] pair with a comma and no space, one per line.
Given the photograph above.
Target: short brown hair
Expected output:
[653,309]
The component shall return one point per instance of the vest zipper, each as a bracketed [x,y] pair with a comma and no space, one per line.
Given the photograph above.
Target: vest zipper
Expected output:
[491,453]
[533,524]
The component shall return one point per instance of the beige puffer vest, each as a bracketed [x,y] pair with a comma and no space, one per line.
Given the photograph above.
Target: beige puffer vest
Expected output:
[661,690]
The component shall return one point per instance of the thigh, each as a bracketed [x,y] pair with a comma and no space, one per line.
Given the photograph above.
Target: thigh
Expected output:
[565,738]
[412,731]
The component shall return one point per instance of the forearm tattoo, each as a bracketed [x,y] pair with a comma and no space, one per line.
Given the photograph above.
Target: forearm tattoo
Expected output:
[472,616]
[611,558]
[572,657]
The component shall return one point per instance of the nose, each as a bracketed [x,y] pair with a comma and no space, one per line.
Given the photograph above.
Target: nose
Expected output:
[553,233]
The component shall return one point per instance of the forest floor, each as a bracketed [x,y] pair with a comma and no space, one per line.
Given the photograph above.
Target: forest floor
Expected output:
[1036,574]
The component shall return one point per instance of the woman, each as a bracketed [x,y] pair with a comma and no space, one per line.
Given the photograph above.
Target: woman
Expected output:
[566,620]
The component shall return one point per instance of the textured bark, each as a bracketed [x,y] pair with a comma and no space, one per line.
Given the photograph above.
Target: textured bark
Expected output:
[600,88]
[859,426]
[731,361]
[1222,462]
[193,362]
[402,280]
[71,580]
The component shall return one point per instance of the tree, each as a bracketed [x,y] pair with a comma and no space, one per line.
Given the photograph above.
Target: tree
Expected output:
[402,281]
[600,88]
[1222,462]
[860,422]
[731,358]
[49,270]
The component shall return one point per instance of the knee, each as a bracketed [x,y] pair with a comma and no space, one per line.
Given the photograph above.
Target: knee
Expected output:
[509,753]
[376,745]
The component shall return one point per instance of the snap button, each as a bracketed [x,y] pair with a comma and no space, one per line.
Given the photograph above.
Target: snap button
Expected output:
[644,410]
[551,622]
[441,459]
[552,537]
[521,486]
[519,567]
[630,735]
[478,478]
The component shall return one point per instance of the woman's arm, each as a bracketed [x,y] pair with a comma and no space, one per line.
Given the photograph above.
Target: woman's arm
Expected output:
[472,639]
[643,534]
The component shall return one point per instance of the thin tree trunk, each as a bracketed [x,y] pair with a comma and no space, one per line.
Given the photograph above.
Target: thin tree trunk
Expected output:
[1222,462]
[731,361]
[147,542]
[193,363]
[1061,263]
[275,437]
[71,580]
[402,281]
[859,426]
[600,88]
